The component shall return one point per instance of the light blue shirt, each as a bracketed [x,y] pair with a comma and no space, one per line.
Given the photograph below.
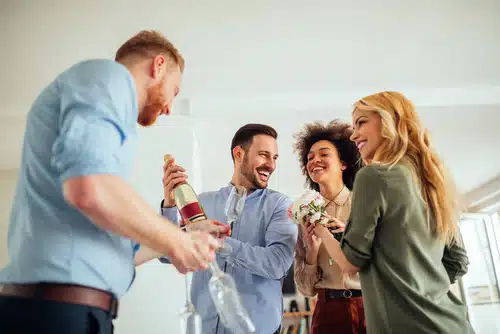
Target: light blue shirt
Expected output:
[83,123]
[263,243]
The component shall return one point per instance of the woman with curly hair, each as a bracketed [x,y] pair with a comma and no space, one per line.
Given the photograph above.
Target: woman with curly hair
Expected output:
[403,236]
[329,160]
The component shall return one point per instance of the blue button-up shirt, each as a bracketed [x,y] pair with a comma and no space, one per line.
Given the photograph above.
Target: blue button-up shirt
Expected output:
[263,243]
[83,123]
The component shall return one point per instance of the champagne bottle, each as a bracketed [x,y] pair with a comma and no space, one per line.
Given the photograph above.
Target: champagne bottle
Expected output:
[186,200]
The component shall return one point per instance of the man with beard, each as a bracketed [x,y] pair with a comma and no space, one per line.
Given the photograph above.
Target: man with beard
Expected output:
[262,241]
[76,224]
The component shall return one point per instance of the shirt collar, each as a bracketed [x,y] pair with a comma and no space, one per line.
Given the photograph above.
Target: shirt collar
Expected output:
[342,197]
[256,192]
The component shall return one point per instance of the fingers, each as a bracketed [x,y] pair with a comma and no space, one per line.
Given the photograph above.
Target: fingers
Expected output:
[222,228]
[181,269]
[336,227]
[210,226]
[171,180]
[335,220]
[173,175]
[171,162]
[213,246]
[310,228]
[171,167]
[205,246]
[309,232]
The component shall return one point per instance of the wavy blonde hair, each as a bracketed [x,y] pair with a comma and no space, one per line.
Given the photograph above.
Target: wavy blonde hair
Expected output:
[406,141]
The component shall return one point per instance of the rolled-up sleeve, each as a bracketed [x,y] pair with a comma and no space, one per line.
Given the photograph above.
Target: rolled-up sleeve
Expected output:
[367,208]
[455,260]
[92,131]
[305,275]
[171,214]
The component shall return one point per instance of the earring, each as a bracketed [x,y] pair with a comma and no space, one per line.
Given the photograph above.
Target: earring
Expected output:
[343,167]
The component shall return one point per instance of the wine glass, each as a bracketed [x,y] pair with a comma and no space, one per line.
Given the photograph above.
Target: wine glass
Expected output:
[226,298]
[222,287]
[190,319]
[233,210]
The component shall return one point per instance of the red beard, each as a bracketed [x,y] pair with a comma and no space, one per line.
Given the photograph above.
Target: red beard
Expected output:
[155,104]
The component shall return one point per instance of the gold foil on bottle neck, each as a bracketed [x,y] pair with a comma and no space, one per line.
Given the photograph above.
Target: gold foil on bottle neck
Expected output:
[167,158]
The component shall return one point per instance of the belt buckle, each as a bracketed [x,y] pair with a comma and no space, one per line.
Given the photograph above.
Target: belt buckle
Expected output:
[347,293]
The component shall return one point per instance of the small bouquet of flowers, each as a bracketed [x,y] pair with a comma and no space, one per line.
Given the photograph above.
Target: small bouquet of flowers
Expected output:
[311,204]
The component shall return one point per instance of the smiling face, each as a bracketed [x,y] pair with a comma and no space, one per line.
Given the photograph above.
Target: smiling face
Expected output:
[367,133]
[323,163]
[259,161]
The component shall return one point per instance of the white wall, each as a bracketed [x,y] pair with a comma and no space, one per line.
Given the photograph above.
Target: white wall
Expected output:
[155,299]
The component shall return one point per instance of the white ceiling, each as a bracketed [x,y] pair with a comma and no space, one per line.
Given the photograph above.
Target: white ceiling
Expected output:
[281,57]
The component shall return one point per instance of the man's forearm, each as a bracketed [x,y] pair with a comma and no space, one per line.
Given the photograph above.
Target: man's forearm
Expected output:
[146,254]
[114,206]
[270,262]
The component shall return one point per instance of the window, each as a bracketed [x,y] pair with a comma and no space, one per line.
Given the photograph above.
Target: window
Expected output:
[481,284]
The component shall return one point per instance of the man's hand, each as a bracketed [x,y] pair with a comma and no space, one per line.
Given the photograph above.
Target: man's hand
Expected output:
[193,251]
[215,228]
[173,175]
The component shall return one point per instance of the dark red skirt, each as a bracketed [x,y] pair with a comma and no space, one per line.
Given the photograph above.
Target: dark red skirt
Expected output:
[338,315]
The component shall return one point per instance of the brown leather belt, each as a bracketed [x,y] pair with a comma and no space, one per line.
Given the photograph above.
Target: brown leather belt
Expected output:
[64,293]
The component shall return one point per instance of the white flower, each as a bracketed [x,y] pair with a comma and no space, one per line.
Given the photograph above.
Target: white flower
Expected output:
[315,217]
[301,206]
[323,220]
[318,201]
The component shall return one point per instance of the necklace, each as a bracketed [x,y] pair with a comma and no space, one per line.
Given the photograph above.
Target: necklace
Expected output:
[334,197]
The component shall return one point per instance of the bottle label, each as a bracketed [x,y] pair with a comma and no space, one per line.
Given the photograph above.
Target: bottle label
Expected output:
[192,212]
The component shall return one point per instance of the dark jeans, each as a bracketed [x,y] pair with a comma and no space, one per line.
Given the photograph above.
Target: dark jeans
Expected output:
[20,315]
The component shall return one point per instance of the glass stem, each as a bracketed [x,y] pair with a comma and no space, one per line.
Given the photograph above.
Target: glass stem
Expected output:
[214,268]
[186,282]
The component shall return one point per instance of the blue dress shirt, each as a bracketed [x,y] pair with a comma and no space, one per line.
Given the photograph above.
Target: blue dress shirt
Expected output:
[263,243]
[83,123]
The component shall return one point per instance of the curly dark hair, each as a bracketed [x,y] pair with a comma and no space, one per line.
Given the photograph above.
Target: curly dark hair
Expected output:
[336,132]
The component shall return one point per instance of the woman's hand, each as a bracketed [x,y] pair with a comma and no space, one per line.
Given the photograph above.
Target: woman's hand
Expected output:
[311,242]
[322,232]
[333,226]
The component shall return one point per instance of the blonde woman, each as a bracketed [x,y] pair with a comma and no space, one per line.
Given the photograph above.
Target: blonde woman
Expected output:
[329,161]
[402,236]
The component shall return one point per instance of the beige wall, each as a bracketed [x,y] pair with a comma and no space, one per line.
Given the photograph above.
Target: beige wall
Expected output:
[7,186]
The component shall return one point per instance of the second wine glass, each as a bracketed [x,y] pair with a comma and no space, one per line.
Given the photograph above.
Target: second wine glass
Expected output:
[233,210]
[190,319]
